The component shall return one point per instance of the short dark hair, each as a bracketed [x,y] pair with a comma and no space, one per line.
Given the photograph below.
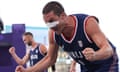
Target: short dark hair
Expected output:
[28,33]
[54,6]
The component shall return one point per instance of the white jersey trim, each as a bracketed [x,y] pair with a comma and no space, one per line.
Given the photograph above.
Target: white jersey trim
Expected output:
[69,41]
[40,50]
[85,30]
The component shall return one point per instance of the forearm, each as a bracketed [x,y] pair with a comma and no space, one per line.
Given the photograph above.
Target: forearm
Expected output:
[104,53]
[41,65]
[72,67]
[18,59]
[73,63]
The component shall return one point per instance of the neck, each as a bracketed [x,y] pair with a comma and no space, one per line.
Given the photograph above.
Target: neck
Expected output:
[34,44]
[69,30]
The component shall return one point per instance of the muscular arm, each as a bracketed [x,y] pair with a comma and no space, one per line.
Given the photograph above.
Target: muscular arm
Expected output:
[96,35]
[18,59]
[44,51]
[49,59]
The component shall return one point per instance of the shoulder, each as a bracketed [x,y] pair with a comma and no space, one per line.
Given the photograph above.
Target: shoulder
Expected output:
[85,17]
[42,48]
[51,36]
[41,45]
[92,26]
[91,20]
[50,32]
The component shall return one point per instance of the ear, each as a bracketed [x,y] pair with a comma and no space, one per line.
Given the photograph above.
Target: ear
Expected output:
[62,15]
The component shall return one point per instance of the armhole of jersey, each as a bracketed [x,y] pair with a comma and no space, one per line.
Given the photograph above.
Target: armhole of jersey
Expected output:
[39,45]
[85,30]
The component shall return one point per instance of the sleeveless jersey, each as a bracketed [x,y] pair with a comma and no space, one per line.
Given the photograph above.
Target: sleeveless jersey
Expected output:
[79,42]
[35,56]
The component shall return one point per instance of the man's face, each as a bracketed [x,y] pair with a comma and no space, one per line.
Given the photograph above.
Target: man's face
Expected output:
[51,18]
[27,40]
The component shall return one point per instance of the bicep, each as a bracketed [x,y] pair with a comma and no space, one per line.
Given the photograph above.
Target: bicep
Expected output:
[95,34]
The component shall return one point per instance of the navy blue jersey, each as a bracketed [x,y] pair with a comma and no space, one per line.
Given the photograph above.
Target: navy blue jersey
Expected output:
[35,56]
[79,42]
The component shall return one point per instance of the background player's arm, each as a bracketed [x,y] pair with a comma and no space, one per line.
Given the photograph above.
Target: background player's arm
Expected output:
[96,35]
[72,66]
[49,59]
[18,59]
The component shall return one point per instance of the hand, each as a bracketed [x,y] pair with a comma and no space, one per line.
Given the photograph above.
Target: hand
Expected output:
[73,66]
[20,69]
[12,50]
[72,69]
[89,54]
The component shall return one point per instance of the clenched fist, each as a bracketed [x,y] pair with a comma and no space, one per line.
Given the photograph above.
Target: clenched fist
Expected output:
[89,54]
[12,50]
[20,69]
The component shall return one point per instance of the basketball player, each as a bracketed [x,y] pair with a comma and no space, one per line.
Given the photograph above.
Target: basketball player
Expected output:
[36,53]
[81,37]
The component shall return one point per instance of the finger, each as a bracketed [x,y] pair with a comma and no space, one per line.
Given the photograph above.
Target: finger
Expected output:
[88,50]
[17,71]
[18,68]
[85,50]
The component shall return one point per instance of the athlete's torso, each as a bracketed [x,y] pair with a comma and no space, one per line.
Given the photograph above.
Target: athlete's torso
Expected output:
[79,42]
[36,55]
